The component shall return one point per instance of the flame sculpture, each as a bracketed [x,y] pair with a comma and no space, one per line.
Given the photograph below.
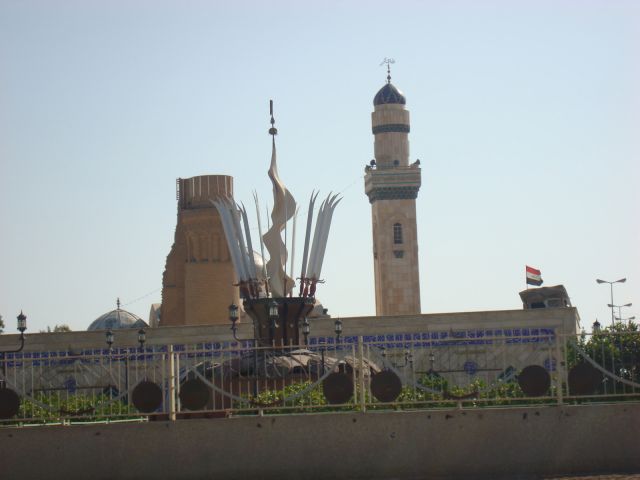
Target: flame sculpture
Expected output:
[284,208]
[273,280]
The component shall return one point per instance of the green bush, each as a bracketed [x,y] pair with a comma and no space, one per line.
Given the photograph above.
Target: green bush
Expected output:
[57,406]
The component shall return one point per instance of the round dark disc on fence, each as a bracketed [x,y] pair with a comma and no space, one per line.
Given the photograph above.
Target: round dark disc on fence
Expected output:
[584,379]
[194,394]
[534,381]
[337,388]
[9,403]
[386,386]
[147,396]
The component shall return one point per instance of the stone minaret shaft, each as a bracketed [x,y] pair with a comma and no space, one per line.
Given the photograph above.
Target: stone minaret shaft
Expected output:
[392,187]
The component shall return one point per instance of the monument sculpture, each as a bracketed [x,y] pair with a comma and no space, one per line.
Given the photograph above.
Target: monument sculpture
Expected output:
[268,295]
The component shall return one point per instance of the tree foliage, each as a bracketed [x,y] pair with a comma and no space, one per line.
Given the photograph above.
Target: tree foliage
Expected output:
[57,328]
[617,350]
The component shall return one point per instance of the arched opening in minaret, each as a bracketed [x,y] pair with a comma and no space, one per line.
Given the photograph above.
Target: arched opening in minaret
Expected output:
[397,233]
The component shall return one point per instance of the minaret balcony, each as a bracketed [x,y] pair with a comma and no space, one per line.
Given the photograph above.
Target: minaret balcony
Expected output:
[396,183]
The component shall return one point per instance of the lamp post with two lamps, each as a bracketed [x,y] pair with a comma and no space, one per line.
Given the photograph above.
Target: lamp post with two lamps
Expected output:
[110,338]
[619,307]
[622,280]
[306,330]
[408,357]
[337,329]
[628,319]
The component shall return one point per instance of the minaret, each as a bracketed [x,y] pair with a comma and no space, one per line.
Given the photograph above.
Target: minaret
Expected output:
[392,187]
[198,280]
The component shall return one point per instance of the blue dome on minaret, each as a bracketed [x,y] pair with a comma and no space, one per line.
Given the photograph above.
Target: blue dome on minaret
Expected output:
[389,94]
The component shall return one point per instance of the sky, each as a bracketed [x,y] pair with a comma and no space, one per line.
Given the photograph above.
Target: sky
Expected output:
[525,116]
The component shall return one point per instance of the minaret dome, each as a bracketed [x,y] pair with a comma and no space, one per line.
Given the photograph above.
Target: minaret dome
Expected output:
[389,94]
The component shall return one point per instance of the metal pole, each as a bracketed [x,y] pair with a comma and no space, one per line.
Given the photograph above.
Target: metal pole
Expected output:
[612,316]
[559,368]
[126,375]
[255,369]
[172,384]
[4,370]
[363,407]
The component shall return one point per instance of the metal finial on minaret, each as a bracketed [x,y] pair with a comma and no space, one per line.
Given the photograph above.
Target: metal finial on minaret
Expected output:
[273,131]
[388,61]
[118,303]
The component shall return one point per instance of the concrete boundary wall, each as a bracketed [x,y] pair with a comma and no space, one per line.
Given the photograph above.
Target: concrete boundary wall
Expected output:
[478,443]
[564,319]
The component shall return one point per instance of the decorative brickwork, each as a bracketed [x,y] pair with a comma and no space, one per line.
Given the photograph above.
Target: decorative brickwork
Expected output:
[396,127]
[197,284]
[393,193]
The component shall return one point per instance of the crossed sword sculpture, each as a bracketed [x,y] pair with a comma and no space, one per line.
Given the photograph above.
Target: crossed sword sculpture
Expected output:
[254,284]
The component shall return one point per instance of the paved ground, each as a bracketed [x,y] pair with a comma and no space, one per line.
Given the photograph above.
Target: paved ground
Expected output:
[635,476]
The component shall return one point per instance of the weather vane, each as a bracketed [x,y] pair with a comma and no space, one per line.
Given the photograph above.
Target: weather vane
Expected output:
[273,130]
[388,61]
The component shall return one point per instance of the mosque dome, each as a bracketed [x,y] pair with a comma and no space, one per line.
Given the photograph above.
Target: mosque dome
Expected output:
[389,94]
[116,319]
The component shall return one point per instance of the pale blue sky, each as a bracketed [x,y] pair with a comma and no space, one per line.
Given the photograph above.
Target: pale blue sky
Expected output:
[525,116]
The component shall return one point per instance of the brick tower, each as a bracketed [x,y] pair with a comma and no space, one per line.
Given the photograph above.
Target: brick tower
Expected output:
[197,285]
[392,187]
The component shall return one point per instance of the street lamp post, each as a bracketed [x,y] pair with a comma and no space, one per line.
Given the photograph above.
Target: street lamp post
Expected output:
[233,318]
[432,360]
[622,280]
[619,307]
[273,317]
[306,330]
[338,329]
[109,339]
[408,357]
[142,337]
[22,326]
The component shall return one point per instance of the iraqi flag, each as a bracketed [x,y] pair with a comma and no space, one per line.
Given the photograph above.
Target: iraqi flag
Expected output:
[533,276]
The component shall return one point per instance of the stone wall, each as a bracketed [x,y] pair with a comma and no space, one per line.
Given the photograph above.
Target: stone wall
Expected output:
[474,443]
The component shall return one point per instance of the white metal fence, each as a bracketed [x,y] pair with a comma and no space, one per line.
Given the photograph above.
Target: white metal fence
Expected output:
[405,371]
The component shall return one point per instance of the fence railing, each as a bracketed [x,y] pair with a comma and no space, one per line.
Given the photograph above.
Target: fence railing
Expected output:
[405,371]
